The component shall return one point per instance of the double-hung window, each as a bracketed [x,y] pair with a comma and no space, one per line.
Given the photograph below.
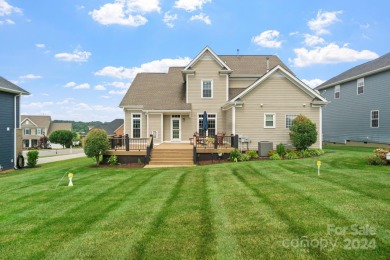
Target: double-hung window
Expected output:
[337,92]
[27,131]
[136,125]
[289,120]
[269,120]
[39,131]
[360,86]
[207,89]
[375,118]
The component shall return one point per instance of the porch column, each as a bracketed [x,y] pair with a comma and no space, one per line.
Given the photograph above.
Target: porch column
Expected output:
[233,120]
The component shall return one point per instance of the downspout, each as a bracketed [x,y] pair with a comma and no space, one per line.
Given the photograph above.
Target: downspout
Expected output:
[15,126]
[320,127]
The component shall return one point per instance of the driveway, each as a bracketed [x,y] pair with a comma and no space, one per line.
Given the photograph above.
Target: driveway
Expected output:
[54,155]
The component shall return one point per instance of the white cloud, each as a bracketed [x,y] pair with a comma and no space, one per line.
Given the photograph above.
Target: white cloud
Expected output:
[70,84]
[267,39]
[45,94]
[100,87]
[40,45]
[313,82]
[169,19]
[105,96]
[191,5]
[117,92]
[7,9]
[153,66]
[322,21]
[201,17]
[125,12]
[82,86]
[82,106]
[76,56]
[311,40]
[331,53]
[118,84]
[64,102]
[38,104]
[30,76]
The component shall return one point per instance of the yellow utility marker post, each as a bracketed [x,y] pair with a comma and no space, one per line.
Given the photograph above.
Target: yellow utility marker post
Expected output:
[318,166]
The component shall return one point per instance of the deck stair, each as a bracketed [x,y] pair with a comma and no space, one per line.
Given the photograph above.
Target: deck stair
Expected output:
[169,155]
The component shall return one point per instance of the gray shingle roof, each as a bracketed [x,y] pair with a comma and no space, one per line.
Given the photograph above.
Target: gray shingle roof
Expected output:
[251,64]
[111,126]
[166,91]
[362,69]
[40,121]
[161,91]
[8,86]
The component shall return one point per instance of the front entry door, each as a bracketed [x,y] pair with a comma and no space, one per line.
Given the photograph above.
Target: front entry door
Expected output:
[176,128]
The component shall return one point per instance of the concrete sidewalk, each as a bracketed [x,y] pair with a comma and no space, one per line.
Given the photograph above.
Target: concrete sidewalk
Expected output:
[58,158]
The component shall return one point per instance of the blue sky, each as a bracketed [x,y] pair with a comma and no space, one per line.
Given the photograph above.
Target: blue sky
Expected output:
[78,57]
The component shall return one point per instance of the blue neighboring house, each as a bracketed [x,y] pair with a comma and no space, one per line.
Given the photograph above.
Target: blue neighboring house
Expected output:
[359,104]
[10,132]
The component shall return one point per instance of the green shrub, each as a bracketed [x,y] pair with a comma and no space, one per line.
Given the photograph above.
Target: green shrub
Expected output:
[303,132]
[253,154]
[245,157]
[275,157]
[271,152]
[32,158]
[375,160]
[235,156]
[280,149]
[304,154]
[315,152]
[96,144]
[113,160]
[291,155]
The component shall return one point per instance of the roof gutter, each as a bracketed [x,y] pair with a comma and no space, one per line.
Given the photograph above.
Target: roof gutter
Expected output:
[15,91]
[231,104]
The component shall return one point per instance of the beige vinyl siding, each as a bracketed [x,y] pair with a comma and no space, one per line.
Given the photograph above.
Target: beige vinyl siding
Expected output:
[128,122]
[167,128]
[155,125]
[186,129]
[207,69]
[278,95]
[228,122]
[241,83]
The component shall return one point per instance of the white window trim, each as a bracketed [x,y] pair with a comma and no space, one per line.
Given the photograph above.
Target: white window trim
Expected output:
[371,119]
[285,121]
[140,124]
[216,121]
[179,118]
[25,130]
[336,90]
[357,86]
[212,88]
[274,117]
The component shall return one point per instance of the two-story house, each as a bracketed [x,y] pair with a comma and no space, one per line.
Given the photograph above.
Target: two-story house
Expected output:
[255,96]
[358,109]
[35,127]
[10,133]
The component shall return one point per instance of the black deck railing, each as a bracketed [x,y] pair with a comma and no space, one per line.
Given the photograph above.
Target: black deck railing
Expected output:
[149,149]
[216,142]
[125,143]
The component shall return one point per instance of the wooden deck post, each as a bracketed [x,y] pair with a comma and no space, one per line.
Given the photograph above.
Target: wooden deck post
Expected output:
[127,142]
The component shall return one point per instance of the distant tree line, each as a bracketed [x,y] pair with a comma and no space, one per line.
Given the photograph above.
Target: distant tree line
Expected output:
[80,127]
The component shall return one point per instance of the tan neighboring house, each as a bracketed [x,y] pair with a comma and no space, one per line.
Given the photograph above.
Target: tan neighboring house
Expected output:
[35,127]
[256,96]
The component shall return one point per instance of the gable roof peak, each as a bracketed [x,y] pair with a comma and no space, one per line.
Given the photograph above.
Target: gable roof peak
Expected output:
[214,55]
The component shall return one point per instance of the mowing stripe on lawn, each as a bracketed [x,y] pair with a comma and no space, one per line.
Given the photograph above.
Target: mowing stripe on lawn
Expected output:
[345,183]
[81,225]
[348,218]
[159,219]
[293,226]
[207,245]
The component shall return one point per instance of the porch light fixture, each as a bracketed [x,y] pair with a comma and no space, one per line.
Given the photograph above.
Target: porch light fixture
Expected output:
[261,105]
[184,119]
[304,105]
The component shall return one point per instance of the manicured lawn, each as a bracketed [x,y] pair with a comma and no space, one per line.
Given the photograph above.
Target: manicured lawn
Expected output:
[249,210]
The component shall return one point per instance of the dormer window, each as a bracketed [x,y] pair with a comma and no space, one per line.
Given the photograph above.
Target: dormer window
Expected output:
[207,89]
[360,86]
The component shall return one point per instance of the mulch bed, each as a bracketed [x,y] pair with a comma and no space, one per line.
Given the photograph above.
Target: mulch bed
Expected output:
[130,165]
